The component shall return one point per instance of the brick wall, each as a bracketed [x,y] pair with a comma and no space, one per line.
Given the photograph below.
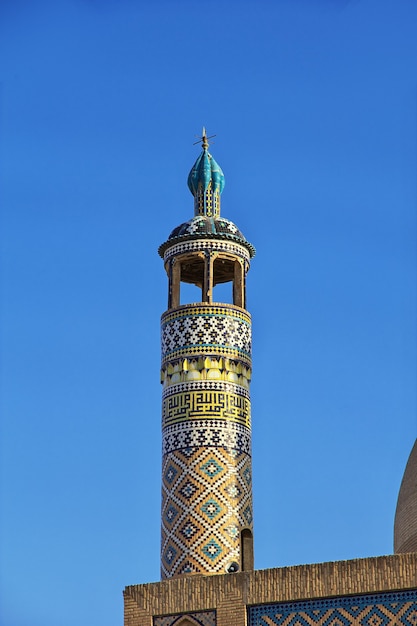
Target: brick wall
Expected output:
[229,594]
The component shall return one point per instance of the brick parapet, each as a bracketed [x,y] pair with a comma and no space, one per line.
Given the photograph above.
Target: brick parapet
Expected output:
[229,594]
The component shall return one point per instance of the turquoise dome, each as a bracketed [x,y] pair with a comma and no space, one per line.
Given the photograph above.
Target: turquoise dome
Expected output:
[205,171]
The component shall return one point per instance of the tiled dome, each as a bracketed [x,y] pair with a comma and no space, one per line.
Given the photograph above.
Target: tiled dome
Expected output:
[209,228]
[405,525]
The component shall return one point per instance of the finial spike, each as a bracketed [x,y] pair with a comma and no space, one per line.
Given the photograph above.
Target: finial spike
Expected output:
[204,139]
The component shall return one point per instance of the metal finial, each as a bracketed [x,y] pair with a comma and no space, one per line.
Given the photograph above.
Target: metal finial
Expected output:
[204,139]
[205,143]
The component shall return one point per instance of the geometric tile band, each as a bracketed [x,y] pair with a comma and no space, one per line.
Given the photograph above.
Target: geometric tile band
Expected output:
[199,308]
[197,405]
[203,618]
[198,330]
[382,609]
[206,502]
[209,433]
[205,385]
[214,245]
[191,352]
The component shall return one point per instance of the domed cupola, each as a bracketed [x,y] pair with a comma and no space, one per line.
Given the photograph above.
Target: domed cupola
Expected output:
[200,227]
[206,182]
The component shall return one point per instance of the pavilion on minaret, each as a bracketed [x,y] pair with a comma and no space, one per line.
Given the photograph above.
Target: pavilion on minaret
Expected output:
[207,554]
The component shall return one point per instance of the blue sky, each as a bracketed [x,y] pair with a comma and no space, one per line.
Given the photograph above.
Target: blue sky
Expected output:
[314,109]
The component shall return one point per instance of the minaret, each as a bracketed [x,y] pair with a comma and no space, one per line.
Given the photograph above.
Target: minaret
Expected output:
[207,519]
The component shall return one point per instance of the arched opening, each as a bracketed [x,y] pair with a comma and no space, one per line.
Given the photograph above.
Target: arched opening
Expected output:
[192,279]
[223,274]
[206,278]
[246,548]
[228,283]
[186,280]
